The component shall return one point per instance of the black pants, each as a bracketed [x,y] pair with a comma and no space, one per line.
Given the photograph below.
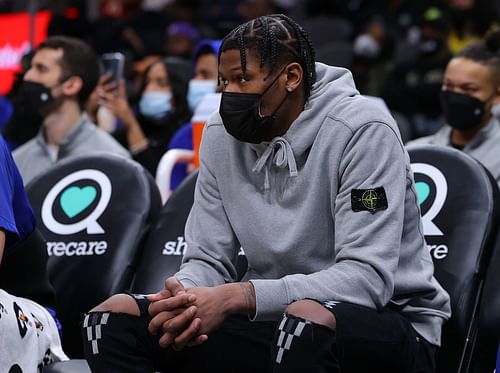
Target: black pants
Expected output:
[365,341]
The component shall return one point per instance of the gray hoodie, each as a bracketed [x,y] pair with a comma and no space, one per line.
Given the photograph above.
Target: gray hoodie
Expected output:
[33,158]
[483,146]
[290,205]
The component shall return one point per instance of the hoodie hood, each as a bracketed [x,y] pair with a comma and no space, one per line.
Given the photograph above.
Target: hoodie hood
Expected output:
[332,85]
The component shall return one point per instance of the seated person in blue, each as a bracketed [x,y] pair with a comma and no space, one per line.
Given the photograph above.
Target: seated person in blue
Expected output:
[204,82]
[29,335]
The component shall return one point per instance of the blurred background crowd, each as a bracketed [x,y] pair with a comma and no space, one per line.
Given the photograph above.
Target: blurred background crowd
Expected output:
[396,49]
[56,102]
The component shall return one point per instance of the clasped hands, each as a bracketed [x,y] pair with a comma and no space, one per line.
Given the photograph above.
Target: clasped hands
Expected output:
[184,317]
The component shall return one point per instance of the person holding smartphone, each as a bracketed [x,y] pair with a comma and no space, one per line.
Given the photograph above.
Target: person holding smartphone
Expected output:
[63,73]
[146,129]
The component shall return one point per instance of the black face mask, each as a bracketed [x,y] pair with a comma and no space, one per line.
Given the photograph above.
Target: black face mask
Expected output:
[37,97]
[240,113]
[462,111]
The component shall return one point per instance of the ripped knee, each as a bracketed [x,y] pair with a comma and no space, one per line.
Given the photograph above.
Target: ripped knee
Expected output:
[119,303]
[313,311]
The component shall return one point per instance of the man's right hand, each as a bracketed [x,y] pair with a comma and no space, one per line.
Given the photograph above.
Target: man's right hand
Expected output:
[173,313]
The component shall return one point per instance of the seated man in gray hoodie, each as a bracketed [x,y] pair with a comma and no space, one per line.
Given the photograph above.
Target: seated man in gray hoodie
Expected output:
[64,71]
[313,181]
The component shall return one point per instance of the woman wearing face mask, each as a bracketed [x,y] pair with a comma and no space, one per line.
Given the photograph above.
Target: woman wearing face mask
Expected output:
[470,97]
[161,110]
[204,82]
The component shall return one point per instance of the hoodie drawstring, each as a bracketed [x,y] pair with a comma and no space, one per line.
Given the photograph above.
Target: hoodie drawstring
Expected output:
[280,152]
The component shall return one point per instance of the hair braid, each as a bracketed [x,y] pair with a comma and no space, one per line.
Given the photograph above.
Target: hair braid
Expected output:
[306,49]
[264,41]
[243,53]
[277,40]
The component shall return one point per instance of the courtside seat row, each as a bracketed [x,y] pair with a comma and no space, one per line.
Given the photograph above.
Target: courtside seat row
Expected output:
[459,205]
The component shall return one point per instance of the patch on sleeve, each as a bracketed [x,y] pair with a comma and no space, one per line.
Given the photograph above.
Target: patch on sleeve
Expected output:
[368,199]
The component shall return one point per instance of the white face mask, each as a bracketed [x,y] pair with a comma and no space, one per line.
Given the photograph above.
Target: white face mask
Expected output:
[155,105]
[198,88]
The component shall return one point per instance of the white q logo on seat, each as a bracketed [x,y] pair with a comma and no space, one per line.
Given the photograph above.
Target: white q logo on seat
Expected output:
[74,200]
[430,228]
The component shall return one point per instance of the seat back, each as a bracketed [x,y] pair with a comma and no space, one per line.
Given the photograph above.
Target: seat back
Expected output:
[165,169]
[164,249]
[94,212]
[28,278]
[489,320]
[456,196]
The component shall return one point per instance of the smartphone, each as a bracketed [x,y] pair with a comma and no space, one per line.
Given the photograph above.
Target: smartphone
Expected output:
[113,63]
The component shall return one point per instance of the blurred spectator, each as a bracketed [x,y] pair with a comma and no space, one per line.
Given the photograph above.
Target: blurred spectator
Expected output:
[63,73]
[127,27]
[204,82]
[194,12]
[205,71]
[69,19]
[471,89]
[471,20]
[372,56]
[24,123]
[326,24]
[181,40]
[413,87]
[162,109]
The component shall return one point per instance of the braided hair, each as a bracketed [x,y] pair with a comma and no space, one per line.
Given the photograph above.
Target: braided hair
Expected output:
[485,53]
[277,40]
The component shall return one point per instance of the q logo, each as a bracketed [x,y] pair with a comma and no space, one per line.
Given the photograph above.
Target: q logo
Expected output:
[76,202]
[432,190]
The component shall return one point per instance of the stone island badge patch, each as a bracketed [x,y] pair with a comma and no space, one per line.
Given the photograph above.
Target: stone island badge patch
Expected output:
[368,199]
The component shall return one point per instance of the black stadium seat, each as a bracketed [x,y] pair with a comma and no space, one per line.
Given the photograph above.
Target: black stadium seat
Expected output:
[94,212]
[28,278]
[459,206]
[489,320]
[162,254]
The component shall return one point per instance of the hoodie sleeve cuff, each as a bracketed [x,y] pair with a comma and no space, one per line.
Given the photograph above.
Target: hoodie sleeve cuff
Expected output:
[271,299]
[187,283]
